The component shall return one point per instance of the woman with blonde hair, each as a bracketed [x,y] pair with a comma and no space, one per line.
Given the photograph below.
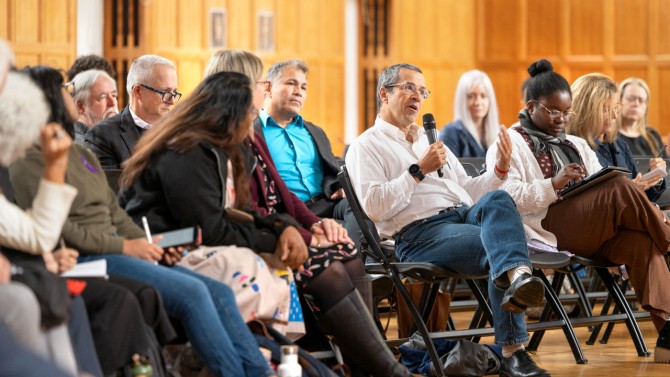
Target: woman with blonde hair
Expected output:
[595,103]
[475,126]
[642,139]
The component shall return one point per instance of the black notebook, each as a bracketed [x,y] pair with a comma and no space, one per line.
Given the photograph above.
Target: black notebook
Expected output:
[593,180]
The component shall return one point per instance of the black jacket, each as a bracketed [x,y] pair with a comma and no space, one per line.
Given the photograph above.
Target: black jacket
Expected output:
[179,190]
[113,139]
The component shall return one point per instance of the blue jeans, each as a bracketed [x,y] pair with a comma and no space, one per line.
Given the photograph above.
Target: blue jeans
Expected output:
[485,238]
[206,309]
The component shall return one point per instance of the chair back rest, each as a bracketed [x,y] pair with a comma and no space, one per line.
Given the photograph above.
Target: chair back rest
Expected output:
[367,227]
[470,169]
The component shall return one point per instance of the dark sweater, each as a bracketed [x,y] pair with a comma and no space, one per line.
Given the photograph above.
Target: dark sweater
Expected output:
[179,190]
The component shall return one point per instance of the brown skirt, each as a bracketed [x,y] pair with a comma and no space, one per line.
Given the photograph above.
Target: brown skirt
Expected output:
[616,222]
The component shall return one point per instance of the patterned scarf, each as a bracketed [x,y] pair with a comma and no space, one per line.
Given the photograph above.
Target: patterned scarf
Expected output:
[562,151]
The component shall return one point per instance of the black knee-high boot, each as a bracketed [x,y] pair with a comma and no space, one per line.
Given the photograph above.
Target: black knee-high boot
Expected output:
[350,322]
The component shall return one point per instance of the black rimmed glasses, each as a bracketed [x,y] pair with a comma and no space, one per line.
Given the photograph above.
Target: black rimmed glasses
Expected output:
[165,96]
[555,114]
[69,86]
[410,88]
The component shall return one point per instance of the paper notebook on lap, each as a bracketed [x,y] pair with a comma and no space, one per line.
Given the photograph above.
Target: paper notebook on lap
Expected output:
[93,269]
[593,180]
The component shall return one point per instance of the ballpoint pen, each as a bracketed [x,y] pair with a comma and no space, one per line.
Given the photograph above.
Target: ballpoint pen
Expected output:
[147,231]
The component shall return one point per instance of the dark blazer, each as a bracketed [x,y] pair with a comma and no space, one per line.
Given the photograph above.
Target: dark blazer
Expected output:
[330,166]
[113,139]
[619,154]
[460,141]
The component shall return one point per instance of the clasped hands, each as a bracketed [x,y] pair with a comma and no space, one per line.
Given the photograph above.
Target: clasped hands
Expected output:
[291,250]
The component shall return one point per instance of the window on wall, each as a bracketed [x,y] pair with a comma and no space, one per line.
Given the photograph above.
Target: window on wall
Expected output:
[125,25]
[375,34]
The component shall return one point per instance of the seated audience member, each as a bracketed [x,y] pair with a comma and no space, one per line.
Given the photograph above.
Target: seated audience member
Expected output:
[87,62]
[436,219]
[152,87]
[97,228]
[200,142]
[475,126]
[300,149]
[642,139]
[96,97]
[613,221]
[23,114]
[595,104]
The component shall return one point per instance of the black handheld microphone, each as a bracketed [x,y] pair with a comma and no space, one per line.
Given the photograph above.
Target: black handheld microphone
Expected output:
[431,132]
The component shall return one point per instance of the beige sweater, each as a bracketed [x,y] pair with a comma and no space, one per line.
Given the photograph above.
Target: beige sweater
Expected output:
[530,190]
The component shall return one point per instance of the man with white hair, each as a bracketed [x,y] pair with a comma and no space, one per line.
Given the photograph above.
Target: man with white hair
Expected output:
[152,87]
[95,96]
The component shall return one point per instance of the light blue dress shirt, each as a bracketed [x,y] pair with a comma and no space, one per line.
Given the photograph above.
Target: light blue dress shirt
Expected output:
[295,154]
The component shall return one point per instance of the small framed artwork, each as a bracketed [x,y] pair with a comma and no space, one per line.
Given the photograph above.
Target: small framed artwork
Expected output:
[218,28]
[266,31]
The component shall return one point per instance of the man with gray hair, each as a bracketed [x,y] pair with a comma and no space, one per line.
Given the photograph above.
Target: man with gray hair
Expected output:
[152,87]
[300,149]
[96,98]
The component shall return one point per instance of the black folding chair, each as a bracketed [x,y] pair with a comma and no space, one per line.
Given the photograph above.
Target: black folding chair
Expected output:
[615,294]
[433,274]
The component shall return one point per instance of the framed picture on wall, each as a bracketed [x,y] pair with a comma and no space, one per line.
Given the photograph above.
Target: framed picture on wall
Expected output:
[266,31]
[218,28]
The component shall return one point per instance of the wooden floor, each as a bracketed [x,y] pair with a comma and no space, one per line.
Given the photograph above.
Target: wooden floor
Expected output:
[617,358]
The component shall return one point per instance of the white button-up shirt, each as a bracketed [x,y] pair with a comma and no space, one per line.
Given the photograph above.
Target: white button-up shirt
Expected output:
[378,163]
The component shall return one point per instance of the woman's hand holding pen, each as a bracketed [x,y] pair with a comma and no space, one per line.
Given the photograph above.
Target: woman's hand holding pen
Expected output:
[570,172]
[141,248]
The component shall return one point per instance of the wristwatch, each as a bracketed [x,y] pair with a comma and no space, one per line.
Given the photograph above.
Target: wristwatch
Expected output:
[415,171]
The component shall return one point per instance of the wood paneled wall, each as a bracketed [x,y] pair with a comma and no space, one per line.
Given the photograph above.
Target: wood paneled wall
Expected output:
[435,35]
[445,38]
[40,31]
[620,38]
[308,29]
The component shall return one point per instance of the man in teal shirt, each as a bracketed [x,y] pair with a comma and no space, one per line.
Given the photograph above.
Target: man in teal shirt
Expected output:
[301,150]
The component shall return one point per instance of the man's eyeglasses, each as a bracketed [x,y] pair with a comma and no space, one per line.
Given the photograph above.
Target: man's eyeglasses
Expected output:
[165,96]
[69,86]
[555,114]
[410,88]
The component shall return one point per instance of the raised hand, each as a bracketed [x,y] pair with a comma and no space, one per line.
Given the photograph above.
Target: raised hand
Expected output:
[55,144]
[504,153]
